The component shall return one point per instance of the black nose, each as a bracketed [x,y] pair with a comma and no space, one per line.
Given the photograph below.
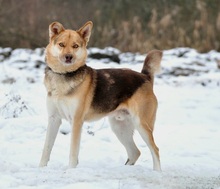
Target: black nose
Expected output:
[68,57]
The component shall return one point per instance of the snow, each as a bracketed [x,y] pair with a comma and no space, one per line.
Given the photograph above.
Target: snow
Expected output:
[187,129]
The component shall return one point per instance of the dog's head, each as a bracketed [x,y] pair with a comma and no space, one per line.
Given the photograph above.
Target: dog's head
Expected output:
[66,50]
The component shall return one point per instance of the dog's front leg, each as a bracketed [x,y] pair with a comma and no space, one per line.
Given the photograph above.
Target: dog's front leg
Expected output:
[52,130]
[75,141]
[54,122]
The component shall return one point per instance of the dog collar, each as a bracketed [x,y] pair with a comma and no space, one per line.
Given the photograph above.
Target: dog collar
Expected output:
[80,70]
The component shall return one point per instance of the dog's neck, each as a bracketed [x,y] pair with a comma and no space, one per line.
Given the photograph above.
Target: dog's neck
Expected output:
[79,71]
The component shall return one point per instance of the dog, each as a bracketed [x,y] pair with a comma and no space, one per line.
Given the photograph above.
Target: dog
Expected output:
[78,93]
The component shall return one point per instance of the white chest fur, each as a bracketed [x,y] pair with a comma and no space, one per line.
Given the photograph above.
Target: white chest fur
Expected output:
[61,100]
[65,108]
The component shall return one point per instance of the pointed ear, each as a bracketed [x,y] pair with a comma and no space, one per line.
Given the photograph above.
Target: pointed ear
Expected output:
[85,31]
[55,28]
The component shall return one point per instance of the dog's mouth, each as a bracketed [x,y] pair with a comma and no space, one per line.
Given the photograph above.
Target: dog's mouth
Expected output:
[68,61]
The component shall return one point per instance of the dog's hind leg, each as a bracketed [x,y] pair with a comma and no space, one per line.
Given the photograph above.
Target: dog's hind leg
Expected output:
[54,123]
[147,136]
[123,129]
[147,114]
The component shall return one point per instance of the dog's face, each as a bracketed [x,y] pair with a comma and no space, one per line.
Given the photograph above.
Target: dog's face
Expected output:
[66,51]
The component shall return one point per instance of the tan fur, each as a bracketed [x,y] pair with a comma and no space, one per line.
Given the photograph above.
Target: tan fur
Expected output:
[71,90]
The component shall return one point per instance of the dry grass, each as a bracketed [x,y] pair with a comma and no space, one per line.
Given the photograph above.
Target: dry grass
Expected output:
[124,24]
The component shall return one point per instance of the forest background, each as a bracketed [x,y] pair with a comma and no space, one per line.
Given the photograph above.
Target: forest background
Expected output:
[135,26]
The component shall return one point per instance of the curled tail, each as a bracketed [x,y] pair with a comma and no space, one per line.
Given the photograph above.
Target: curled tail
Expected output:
[152,64]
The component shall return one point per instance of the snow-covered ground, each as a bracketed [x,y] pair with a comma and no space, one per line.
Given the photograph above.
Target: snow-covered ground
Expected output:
[187,129]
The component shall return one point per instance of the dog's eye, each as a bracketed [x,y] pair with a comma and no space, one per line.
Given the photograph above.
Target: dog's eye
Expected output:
[61,44]
[75,46]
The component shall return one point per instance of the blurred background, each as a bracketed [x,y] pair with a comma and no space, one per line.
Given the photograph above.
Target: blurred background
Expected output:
[129,25]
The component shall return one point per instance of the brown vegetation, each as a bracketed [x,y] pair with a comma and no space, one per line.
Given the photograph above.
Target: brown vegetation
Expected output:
[125,24]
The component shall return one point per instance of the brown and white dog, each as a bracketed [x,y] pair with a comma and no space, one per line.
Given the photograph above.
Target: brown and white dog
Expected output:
[78,93]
